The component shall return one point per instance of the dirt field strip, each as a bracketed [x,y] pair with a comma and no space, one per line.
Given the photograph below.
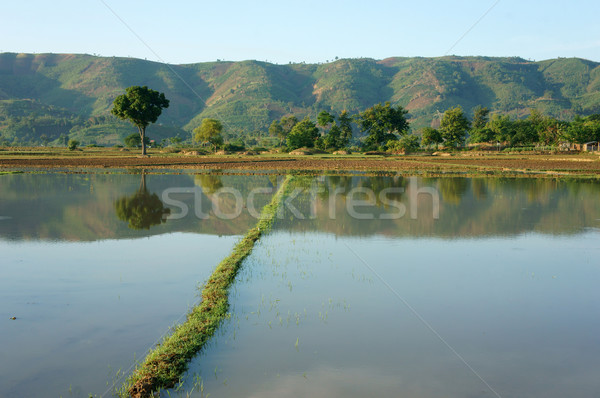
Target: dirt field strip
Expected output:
[559,164]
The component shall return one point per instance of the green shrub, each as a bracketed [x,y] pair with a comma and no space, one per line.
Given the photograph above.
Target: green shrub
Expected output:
[233,147]
[134,140]
[73,144]
[407,143]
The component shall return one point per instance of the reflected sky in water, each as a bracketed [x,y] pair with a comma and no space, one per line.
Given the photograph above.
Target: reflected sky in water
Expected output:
[505,274]
[311,319]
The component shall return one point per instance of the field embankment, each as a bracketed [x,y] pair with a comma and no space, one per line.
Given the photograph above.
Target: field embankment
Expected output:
[164,365]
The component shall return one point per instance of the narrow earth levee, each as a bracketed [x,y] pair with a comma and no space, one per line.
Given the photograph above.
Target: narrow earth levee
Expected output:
[165,364]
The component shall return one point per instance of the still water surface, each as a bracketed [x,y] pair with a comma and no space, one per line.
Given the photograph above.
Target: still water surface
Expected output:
[90,293]
[347,296]
[496,297]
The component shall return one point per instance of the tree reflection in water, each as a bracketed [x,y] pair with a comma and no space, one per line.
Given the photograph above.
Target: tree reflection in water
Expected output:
[142,210]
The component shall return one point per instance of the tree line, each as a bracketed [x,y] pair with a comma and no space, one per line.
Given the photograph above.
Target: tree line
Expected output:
[385,127]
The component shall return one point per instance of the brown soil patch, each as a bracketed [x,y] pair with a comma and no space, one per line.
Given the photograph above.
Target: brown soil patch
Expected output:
[533,162]
[452,164]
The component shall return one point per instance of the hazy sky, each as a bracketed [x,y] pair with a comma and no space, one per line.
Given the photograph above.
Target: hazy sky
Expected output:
[281,31]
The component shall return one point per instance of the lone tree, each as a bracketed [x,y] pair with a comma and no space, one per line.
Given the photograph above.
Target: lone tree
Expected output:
[209,131]
[141,106]
[73,144]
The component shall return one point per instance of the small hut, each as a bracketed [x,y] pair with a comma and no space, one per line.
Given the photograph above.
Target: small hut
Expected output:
[591,146]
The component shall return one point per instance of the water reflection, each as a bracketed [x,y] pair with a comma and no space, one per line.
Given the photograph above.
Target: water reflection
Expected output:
[511,305]
[209,183]
[442,207]
[81,207]
[141,210]
[93,206]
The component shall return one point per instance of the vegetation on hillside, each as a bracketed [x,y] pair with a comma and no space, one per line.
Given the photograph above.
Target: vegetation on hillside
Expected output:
[50,98]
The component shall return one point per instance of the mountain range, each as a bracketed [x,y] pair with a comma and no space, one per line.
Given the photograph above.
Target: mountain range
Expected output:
[47,96]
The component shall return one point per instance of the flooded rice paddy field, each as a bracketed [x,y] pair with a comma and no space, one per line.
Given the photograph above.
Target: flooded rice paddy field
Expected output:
[366,286]
[94,278]
[379,316]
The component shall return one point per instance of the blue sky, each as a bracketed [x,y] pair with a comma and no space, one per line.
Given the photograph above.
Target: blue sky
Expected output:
[311,31]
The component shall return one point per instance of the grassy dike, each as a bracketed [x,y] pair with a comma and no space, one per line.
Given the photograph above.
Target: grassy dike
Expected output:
[164,365]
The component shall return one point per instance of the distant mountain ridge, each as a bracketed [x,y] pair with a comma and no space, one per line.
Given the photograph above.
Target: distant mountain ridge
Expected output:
[248,95]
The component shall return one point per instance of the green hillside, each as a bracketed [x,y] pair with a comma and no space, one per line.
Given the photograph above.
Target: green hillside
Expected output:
[45,97]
